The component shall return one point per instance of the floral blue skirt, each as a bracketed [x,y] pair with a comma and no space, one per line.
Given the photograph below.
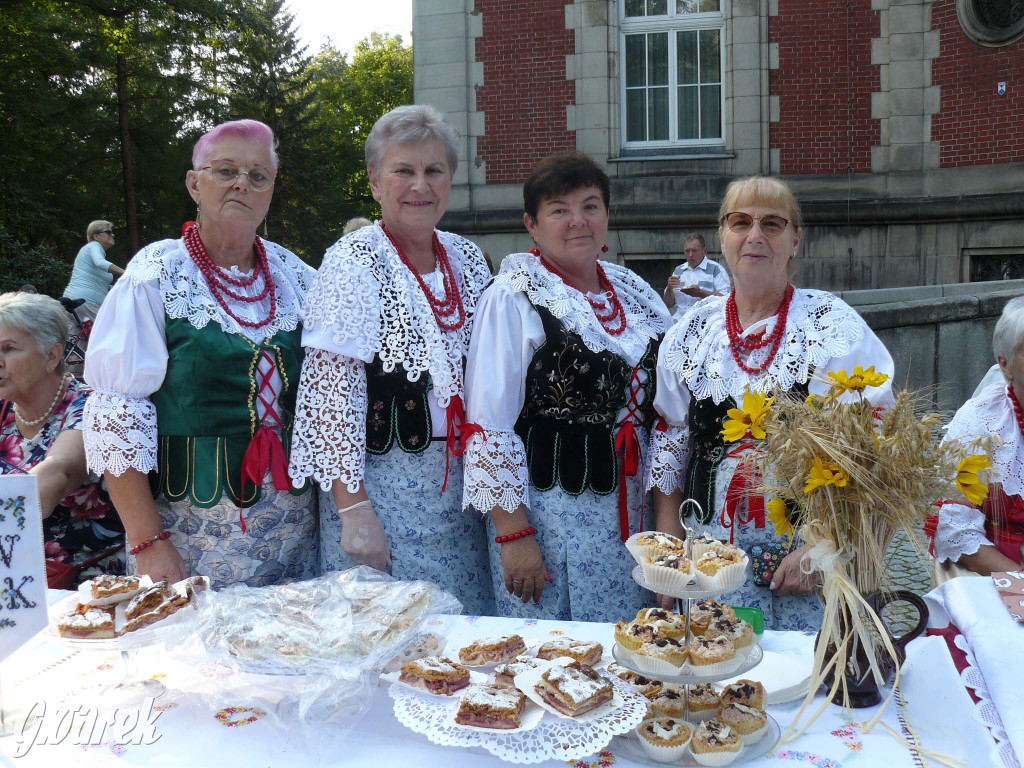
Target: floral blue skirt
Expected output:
[280,542]
[584,554]
[431,537]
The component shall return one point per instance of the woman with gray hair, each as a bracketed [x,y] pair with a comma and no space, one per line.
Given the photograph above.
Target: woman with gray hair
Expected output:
[386,329]
[41,408]
[989,537]
[92,274]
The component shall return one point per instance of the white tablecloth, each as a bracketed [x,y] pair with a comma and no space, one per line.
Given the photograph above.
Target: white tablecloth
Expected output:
[932,709]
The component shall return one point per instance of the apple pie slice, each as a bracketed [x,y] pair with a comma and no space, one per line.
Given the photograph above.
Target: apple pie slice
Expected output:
[491,706]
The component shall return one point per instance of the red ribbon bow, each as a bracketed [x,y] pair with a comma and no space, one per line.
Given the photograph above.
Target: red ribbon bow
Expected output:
[265,451]
[457,433]
[627,448]
[744,480]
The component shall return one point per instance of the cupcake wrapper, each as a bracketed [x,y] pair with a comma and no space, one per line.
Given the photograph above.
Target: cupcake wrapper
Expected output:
[715,758]
[666,580]
[754,737]
[662,754]
[651,665]
[727,578]
[701,715]
[719,668]
[640,553]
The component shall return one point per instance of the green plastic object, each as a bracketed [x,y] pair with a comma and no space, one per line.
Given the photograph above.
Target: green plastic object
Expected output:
[752,616]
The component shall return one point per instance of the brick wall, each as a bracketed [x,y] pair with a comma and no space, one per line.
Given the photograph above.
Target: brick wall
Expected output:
[524,91]
[824,84]
[975,125]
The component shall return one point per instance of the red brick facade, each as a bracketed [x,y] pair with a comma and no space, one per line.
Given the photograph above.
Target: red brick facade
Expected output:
[524,92]
[824,83]
[975,125]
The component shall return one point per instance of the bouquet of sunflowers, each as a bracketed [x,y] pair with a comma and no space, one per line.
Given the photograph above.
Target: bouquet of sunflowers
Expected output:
[845,476]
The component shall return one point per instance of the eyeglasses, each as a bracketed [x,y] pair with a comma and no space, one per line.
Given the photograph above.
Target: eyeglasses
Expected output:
[226,174]
[740,223]
[106,232]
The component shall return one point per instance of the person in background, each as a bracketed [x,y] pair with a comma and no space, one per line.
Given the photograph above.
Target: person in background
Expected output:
[988,537]
[195,359]
[356,223]
[92,274]
[765,335]
[41,434]
[695,279]
[379,411]
[559,386]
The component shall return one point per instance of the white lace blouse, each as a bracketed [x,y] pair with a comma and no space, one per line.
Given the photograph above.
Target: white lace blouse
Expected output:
[961,528]
[822,334]
[127,357]
[507,332]
[365,303]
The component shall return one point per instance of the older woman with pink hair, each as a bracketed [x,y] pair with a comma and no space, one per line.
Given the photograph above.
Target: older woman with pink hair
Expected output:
[194,358]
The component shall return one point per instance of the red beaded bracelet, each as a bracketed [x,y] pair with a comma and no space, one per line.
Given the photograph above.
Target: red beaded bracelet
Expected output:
[517,535]
[162,536]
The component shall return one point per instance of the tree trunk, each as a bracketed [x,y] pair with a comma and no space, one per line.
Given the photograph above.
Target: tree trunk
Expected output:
[127,170]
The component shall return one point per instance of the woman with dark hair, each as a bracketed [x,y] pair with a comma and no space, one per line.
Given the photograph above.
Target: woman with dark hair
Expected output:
[195,357]
[559,384]
[379,410]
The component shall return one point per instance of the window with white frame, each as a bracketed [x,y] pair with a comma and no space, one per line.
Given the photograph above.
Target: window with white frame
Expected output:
[671,73]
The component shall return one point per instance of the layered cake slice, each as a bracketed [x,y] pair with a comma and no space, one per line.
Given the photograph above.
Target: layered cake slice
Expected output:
[581,651]
[435,674]
[505,674]
[573,689]
[491,706]
[495,649]
[87,622]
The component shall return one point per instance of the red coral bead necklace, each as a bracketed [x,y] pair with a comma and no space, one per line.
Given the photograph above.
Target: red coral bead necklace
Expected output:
[613,321]
[451,305]
[219,279]
[1017,410]
[738,343]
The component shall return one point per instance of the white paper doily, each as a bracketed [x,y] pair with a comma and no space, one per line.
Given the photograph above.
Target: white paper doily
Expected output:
[554,738]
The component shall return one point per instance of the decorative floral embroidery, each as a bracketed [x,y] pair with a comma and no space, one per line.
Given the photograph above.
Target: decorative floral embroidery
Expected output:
[850,734]
[555,631]
[604,759]
[807,757]
[115,749]
[226,716]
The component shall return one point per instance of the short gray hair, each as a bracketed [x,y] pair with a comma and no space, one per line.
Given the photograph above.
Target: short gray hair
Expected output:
[411,124]
[42,318]
[96,226]
[1009,332]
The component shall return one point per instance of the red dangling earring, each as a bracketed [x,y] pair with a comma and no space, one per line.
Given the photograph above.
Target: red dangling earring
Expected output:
[604,249]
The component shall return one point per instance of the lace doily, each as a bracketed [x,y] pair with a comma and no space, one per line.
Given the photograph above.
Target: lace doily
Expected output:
[991,413]
[670,454]
[364,292]
[820,327]
[119,433]
[555,738]
[646,316]
[186,294]
[985,711]
[329,436]
[495,473]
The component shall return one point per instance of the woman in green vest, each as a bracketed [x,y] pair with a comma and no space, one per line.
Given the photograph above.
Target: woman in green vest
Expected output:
[195,356]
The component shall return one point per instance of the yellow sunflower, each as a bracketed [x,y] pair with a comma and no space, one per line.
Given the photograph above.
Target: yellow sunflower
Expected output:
[749,418]
[967,478]
[824,473]
[777,516]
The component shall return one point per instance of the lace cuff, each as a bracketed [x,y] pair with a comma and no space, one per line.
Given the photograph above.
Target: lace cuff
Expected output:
[329,436]
[495,472]
[670,453]
[961,531]
[119,433]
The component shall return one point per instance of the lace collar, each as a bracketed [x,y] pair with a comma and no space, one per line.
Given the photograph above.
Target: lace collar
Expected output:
[186,294]
[646,315]
[364,292]
[991,413]
[820,327]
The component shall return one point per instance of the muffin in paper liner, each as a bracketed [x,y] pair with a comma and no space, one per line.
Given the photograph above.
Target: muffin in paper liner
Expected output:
[666,580]
[751,737]
[716,757]
[649,665]
[702,543]
[663,753]
[641,552]
[728,576]
[718,668]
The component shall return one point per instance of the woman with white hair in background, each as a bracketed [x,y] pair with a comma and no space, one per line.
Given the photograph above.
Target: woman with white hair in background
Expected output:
[92,274]
[387,328]
[987,537]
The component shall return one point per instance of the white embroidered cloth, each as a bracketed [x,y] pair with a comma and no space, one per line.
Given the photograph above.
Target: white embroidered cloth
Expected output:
[508,332]
[127,357]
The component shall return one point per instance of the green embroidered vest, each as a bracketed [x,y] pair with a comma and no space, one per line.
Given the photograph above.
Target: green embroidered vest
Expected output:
[206,409]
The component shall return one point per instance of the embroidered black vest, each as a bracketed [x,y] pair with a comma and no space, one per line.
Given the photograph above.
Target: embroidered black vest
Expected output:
[573,399]
[708,448]
[397,410]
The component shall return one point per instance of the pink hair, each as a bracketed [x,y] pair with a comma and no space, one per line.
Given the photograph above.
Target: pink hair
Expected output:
[245,129]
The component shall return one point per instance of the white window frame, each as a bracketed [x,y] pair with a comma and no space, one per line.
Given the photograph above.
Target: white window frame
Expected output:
[671,24]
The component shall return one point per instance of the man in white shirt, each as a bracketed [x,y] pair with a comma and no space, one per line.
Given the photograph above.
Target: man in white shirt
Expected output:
[698,278]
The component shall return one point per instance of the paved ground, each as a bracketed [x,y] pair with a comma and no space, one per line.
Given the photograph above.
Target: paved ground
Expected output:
[906,570]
